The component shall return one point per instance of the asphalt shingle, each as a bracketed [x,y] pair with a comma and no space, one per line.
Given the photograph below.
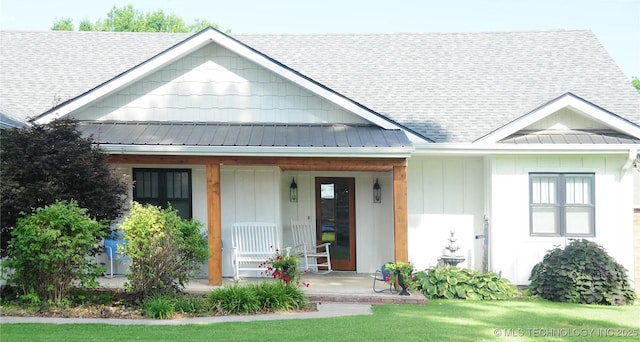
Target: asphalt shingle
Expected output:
[449,87]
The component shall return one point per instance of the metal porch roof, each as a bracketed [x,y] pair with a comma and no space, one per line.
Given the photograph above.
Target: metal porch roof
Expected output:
[240,134]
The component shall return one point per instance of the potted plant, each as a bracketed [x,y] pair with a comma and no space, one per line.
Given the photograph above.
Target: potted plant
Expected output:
[283,267]
[401,272]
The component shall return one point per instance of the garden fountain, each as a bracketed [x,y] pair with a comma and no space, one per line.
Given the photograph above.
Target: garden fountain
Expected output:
[452,259]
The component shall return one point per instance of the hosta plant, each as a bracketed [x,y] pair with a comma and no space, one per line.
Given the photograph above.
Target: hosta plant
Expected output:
[451,282]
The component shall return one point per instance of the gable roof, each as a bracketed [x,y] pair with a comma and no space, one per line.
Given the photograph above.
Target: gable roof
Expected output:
[567,100]
[452,88]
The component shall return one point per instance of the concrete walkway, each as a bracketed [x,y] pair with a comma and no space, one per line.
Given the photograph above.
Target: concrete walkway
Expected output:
[324,310]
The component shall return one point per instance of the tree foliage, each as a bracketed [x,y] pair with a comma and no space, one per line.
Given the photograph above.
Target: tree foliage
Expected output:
[163,248]
[51,250]
[42,164]
[63,24]
[636,83]
[129,19]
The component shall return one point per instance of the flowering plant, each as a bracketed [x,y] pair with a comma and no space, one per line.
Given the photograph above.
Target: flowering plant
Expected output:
[405,269]
[283,267]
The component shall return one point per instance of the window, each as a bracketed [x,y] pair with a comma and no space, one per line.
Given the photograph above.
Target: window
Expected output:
[162,186]
[561,204]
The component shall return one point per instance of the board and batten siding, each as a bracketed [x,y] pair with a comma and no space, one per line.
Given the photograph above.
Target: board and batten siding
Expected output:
[248,194]
[374,221]
[514,252]
[214,84]
[445,194]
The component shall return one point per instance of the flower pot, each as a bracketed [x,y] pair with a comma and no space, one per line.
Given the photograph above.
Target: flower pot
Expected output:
[402,284]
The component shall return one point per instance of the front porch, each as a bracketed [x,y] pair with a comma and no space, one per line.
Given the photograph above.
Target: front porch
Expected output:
[339,287]
[238,189]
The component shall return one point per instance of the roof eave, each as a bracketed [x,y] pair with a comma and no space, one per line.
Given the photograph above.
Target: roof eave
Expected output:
[261,151]
[567,100]
[493,149]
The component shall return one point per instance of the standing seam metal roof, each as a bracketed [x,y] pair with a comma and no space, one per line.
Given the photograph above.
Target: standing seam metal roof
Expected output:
[236,134]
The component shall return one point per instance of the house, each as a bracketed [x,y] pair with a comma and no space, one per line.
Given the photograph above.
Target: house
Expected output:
[514,142]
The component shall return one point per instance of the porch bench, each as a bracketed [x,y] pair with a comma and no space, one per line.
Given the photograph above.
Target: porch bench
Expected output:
[253,243]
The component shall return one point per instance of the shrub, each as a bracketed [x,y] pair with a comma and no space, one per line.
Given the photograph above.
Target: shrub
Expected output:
[278,296]
[163,248]
[582,272]
[51,250]
[189,304]
[234,299]
[42,164]
[158,306]
[252,298]
[451,282]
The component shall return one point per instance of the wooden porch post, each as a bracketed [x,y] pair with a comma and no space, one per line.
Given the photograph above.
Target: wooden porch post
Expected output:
[214,224]
[400,213]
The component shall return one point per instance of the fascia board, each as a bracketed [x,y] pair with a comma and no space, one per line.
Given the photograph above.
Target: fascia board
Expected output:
[485,149]
[567,100]
[262,151]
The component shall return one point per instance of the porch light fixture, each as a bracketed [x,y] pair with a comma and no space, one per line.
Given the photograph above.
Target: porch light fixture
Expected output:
[293,191]
[377,192]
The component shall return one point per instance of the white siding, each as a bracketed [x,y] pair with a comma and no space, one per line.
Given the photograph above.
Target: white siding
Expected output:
[374,221]
[514,252]
[248,194]
[445,194]
[215,85]
[566,119]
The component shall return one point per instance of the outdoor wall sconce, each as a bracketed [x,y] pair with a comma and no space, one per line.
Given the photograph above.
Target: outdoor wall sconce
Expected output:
[377,192]
[293,191]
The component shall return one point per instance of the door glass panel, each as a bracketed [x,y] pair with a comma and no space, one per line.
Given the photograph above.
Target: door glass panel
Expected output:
[328,214]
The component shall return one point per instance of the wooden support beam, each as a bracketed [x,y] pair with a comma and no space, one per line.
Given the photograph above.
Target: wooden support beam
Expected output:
[214,224]
[285,163]
[400,217]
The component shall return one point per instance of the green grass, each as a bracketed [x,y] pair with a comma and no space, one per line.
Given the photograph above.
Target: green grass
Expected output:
[441,320]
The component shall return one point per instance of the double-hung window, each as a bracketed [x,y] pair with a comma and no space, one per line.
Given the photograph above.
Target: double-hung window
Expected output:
[561,204]
[163,186]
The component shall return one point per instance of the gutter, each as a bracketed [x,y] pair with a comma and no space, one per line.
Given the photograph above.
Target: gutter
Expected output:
[485,149]
[260,151]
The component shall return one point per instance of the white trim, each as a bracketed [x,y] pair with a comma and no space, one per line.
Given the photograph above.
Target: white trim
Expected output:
[262,151]
[567,100]
[486,149]
[197,41]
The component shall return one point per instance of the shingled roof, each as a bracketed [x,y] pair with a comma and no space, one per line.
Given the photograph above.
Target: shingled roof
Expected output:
[449,87]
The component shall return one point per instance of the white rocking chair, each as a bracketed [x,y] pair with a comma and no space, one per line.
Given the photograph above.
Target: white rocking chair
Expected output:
[315,257]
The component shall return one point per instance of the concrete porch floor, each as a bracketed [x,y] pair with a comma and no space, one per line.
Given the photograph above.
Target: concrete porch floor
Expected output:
[348,287]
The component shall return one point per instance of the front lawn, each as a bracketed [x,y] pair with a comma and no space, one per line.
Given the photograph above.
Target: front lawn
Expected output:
[441,320]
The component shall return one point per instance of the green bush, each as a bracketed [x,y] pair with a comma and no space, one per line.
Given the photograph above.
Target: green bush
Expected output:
[159,306]
[234,299]
[163,248]
[279,296]
[188,304]
[252,298]
[582,272]
[455,283]
[51,250]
